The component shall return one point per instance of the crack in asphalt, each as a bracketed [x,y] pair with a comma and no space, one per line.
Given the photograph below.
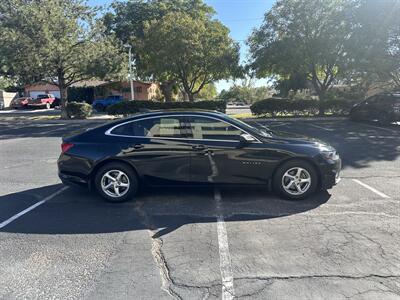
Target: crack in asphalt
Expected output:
[271,279]
[157,252]
[167,281]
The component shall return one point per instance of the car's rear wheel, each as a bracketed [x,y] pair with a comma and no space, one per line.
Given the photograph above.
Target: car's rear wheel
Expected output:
[99,108]
[48,105]
[295,180]
[116,182]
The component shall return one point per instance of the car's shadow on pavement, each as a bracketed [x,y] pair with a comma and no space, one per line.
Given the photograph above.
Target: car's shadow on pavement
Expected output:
[161,210]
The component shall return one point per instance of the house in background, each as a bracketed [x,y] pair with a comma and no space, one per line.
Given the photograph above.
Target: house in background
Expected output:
[39,88]
[6,98]
[91,90]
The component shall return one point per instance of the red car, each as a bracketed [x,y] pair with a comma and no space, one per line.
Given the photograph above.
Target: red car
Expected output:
[43,100]
[20,102]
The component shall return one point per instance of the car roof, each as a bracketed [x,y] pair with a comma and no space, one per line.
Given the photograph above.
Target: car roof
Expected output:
[156,113]
[200,112]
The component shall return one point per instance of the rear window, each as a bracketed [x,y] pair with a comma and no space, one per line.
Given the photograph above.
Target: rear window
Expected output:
[170,127]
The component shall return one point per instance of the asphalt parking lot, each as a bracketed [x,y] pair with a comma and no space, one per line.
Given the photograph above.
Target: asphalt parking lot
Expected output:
[201,243]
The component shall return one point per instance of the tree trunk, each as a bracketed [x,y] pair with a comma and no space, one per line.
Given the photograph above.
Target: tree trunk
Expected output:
[321,107]
[167,89]
[191,96]
[63,100]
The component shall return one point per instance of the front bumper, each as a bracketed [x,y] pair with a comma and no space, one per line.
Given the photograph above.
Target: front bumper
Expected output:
[330,173]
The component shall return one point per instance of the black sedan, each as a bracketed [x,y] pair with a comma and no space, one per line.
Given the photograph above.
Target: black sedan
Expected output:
[194,147]
[382,108]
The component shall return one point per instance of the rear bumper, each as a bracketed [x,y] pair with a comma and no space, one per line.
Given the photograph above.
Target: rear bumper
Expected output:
[73,180]
[73,171]
[19,106]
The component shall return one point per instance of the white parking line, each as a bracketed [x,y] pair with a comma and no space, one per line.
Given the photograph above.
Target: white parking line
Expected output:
[278,125]
[21,213]
[371,189]
[378,127]
[320,127]
[225,265]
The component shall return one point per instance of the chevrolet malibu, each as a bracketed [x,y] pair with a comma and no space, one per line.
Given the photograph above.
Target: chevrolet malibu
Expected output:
[194,147]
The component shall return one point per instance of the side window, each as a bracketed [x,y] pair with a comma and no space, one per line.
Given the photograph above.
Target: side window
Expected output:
[169,127]
[212,129]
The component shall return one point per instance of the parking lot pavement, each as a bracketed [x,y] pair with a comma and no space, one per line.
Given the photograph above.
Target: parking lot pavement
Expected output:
[197,243]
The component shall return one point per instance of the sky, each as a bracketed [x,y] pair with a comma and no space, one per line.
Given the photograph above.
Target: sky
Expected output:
[240,16]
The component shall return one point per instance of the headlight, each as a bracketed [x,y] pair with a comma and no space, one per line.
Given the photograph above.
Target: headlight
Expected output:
[330,155]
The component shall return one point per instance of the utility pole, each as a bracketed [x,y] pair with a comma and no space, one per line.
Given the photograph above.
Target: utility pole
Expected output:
[130,71]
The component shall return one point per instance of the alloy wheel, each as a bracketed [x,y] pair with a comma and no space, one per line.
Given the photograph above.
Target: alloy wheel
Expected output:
[115,183]
[296,181]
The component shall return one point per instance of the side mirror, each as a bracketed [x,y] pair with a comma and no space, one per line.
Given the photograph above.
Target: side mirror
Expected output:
[245,139]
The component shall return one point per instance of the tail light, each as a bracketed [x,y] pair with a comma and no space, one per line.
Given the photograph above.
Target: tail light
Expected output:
[66,146]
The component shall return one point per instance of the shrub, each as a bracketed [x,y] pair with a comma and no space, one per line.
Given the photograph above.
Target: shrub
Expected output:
[131,107]
[339,106]
[78,110]
[275,106]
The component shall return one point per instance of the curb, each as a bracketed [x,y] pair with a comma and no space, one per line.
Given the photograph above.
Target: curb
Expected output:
[299,119]
[24,119]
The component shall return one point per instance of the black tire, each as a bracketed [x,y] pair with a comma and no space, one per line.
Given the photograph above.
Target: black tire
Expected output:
[131,174]
[277,179]
[99,108]
[48,105]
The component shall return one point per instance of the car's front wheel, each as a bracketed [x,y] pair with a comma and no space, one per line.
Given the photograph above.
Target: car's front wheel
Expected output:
[48,105]
[116,182]
[295,180]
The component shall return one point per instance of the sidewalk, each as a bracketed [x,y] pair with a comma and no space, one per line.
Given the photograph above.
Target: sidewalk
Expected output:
[46,115]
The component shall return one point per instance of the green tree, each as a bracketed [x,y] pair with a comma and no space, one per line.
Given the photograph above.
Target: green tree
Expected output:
[375,44]
[193,51]
[245,92]
[58,41]
[294,82]
[304,36]
[127,22]
[208,92]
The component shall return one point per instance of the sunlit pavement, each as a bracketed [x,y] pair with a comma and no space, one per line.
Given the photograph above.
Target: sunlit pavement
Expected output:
[201,243]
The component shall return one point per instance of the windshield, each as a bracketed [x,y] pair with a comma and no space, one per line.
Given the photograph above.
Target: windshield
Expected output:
[261,129]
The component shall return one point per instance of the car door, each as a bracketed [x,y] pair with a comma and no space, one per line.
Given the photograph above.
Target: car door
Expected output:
[157,147]
[218,156]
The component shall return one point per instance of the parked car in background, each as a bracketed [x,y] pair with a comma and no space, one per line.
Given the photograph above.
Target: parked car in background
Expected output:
[101,104]
[21,102]
[381,108]
[42,101]
[195,147]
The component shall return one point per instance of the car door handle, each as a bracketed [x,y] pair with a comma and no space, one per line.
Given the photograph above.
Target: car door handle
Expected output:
[133,148]
[199,147]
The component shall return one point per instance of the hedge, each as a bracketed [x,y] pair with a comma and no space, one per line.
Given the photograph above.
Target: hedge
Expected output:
[283,106]
[131,107]
[78,110]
